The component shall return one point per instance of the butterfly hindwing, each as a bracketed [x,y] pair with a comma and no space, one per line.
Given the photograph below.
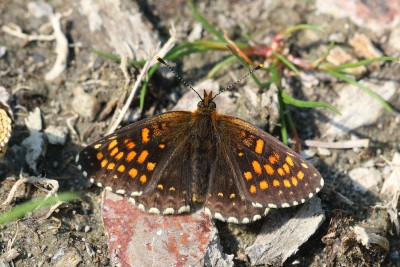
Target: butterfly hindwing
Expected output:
[226,199]
[271,175]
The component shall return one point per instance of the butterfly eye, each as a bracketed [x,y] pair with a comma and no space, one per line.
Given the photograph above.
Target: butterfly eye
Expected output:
[213,105]
[200,104]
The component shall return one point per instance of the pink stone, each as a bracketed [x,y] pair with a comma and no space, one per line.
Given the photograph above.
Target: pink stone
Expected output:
[137,238]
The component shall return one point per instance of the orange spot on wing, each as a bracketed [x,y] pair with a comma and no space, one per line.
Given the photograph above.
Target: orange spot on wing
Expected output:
[286,183]
[263,185]
[268,168]
[248,176]
[129,144]
[112,144]
[281,172]
[111,166]
[104,163]
[256,167]
[286,168]
[160,186]
[145,135]
[276,155]
[143,179]
[121,168]
[162,146]
[119,155]
[131,155]
[276,183]
[133,173]
[259,146]
[99,156]
[294,181]
[114,151]
[289,161]
[240,154]
[142,157]
[150,166]
[253,189]
[272,159]
[300,175]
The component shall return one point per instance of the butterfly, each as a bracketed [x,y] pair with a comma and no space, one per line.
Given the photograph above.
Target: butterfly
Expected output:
[178,161]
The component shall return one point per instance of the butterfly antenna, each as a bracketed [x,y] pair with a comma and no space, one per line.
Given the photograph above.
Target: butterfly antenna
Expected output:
[177,75]
[241,79]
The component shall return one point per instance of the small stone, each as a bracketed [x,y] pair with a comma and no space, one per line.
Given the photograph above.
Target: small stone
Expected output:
[57,135]
[365,179]
[85,104]
[307,154]
[323,151]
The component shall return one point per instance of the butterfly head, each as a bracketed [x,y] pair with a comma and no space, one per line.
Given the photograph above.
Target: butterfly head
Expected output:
[207,102]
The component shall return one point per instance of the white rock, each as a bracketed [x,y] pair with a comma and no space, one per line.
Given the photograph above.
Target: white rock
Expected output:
[366,179]
[57,135]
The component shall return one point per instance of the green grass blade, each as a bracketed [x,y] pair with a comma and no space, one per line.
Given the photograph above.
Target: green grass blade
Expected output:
[282,111]
[362,87]
[220,65]
[364,62]
[204,22]
[287,63]
[300,27]
[307,104]
[29,206]
[105,55]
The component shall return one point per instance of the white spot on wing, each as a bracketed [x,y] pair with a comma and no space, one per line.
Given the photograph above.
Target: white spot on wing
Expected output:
[256,205]
[184,209]
[108,188]
[141,207]
[256,217]
[91,180]
[168,211]
[285,205]
[136,193]
[84,173]
[154,211]
[218,216]
[295,203]
[232,220]
[272,206]
[310,195]
[120,191]
[99,184]
[266,211]
[245,220]
[77,158]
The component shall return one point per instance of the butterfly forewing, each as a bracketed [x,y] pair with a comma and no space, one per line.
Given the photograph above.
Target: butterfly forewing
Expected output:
[141,161]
